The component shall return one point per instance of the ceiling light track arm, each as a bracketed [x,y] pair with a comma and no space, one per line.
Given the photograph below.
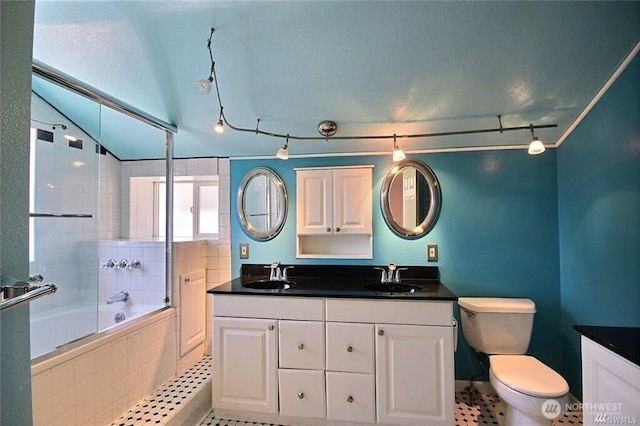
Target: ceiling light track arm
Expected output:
[257,131]
[394,136]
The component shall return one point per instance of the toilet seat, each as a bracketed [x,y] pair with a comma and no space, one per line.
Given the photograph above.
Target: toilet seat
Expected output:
[527,375]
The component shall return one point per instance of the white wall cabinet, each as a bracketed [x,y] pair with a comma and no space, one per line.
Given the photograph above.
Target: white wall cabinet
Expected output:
[336,360]
[334,212]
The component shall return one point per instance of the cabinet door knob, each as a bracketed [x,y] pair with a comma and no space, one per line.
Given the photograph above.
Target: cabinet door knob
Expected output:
[380,332]
[328,229]
[350,399]
[272,327]
[301,395]
[349,348]
[301,346]
[338,229]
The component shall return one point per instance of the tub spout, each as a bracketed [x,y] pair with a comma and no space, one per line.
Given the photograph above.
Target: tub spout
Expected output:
[123,296]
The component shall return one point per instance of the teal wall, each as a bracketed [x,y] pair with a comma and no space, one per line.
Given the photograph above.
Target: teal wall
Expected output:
[599,218]
[497,232]
[16,39]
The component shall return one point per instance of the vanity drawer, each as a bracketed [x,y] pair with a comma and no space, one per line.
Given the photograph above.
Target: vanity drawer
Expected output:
[350,397]
[296,308]
[301,344]
[350,347]
[416,312]
[302,393]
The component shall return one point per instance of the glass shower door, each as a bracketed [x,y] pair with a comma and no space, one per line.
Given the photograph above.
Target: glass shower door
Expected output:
[63,222]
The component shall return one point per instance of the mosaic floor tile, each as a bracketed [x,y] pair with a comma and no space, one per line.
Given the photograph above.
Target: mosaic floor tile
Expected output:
[168,399]
[483,409]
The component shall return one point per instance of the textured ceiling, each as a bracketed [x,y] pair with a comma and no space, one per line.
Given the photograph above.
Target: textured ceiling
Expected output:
[375,68]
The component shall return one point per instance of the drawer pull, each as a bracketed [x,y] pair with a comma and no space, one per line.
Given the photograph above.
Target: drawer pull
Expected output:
[301,346]
[380,332]
[338,229]
[349,348]
[301,395]
[328,229]
[272,327]
[350,399]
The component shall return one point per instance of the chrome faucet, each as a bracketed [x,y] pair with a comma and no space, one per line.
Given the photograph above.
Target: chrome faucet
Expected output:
[278,274]
[275,274]
[391,274]
[123,296]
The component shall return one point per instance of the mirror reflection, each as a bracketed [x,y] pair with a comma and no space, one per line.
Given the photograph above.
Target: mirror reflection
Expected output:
[410,199]
[262,203]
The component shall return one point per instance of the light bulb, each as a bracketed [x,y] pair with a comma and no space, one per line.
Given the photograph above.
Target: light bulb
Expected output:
[283,153]
[204,85]
[398,154]
[219,127]
[536,147]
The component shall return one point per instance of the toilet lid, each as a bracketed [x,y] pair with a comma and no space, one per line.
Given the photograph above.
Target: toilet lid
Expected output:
[526,374]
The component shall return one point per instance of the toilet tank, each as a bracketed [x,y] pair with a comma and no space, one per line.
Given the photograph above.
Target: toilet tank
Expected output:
[497,325]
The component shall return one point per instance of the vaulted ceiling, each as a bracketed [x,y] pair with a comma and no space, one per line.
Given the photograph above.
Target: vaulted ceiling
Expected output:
[373,67]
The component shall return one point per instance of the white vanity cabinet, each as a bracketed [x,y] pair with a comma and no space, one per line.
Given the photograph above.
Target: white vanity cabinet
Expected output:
[244,364]
[334,212]
[414,367]
[333,361]
[610,385]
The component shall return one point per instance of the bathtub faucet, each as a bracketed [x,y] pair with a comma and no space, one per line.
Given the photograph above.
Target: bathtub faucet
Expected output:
[123,296]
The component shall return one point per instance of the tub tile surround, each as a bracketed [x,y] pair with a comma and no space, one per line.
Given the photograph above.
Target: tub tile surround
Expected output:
[96,382]
[145,284]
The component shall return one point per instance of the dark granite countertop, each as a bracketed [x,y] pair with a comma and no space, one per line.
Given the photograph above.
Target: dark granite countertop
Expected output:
[340,281]
[625,341]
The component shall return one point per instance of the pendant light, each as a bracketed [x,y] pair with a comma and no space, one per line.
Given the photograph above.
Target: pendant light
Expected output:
[283,153]
[536,146]
[398,154]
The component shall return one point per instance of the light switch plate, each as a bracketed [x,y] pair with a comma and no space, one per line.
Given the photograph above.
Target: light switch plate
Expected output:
[432,252]
[244,251]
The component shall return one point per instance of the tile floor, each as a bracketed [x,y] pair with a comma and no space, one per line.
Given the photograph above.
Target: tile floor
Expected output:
[169,398]
[485,410]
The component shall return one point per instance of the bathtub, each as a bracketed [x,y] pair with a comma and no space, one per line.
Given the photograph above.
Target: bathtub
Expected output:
[52,330]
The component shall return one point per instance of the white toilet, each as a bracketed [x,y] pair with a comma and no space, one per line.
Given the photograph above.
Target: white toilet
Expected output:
[533,393]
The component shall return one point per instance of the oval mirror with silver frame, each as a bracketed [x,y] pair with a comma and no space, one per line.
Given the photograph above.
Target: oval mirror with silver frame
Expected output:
[262,203]
[410,199]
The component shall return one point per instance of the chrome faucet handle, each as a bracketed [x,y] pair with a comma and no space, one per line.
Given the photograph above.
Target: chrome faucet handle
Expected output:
[274,275]
[396,277]
[285,276]
[123,264]
[383,276]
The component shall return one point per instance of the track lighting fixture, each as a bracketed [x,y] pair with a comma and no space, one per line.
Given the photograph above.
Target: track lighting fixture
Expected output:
[219,127]
[283,153]
[536,146]
[398,154]
[204,85]
[328,128]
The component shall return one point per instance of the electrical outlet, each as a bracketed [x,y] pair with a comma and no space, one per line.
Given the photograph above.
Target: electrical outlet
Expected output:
[432,252]
[244,251]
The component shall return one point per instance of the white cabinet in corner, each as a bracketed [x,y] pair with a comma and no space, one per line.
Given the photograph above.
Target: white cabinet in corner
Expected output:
[244,366]
[334,212]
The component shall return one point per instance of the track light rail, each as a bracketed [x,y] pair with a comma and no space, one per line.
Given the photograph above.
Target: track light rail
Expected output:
[288,136]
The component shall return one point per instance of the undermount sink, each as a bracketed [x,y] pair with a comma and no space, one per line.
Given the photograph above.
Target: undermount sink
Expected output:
[269,285]
[393,288]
